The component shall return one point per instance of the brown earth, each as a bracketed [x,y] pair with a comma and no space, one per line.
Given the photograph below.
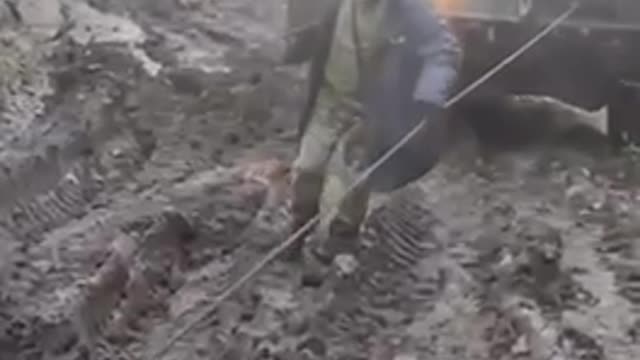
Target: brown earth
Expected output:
[138,144]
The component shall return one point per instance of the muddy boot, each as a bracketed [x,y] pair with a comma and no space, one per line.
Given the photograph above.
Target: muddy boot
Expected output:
[304,206]
[294,253]
[342,239]
[317,264]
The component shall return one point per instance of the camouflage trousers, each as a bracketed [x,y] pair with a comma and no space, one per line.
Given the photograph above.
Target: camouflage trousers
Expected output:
[330,159]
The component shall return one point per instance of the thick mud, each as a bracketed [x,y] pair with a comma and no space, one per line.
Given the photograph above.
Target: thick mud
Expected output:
[144,147]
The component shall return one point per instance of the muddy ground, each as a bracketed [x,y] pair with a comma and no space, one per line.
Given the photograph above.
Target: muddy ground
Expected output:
[137,140]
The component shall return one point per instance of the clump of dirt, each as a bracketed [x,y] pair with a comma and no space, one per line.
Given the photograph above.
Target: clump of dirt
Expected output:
[144,185]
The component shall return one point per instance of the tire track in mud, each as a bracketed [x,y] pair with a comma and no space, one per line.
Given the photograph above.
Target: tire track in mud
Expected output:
[35,275]
[53,179]
[396,277]
[522,214]
[29,220]
[53,171]
[85,253]
[213,222]
[52,207]
[51,168]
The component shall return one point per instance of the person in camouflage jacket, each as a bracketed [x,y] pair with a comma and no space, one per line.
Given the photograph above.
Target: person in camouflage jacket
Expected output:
[377,69]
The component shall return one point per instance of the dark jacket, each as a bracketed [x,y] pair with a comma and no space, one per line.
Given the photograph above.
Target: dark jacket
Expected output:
[411,83]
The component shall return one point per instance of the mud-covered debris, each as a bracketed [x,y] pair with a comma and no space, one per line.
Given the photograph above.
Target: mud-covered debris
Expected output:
[102,292]
[43,18]
[129,279]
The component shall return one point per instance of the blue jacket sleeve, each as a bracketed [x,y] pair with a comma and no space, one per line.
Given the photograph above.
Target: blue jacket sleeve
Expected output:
[420,72]
[439,50]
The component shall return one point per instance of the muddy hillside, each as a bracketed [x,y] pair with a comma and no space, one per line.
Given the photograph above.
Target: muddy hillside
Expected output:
[144,147]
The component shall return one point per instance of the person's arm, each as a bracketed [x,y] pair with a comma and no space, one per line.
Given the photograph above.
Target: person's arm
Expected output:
[437,61]
[440,52]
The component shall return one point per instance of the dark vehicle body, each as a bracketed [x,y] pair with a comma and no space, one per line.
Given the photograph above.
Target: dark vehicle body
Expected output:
[591,60]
